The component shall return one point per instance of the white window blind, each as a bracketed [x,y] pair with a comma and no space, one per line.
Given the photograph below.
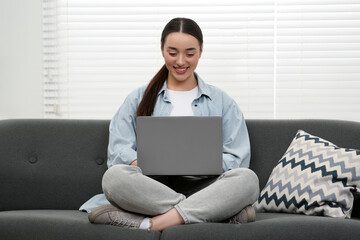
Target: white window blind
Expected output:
[318,59]
[277,59]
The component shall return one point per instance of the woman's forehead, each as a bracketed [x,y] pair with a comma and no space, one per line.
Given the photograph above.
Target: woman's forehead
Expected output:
[181,41]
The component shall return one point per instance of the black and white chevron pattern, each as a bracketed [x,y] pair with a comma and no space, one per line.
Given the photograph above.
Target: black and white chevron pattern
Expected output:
[314,177]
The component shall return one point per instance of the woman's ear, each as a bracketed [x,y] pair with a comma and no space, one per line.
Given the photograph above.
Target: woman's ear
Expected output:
[201,49]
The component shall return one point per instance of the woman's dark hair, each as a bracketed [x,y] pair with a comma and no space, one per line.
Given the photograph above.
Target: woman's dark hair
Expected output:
[182,25]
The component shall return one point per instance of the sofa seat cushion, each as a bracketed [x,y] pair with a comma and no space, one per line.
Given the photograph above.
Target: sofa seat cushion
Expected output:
[271,226]
[62,224]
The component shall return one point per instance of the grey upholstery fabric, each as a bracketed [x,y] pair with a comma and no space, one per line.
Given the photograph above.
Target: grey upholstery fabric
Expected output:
[270,226]
[59,164]
[51,164]
[60,225]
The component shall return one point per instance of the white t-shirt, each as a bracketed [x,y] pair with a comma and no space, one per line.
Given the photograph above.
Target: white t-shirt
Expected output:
[181,101]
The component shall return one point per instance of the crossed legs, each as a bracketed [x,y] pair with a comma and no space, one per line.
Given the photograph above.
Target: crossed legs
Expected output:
[126,187]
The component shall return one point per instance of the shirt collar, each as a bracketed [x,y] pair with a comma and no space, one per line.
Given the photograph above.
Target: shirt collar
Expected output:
[203,88]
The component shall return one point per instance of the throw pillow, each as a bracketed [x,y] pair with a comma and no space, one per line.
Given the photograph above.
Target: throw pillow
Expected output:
[314,177]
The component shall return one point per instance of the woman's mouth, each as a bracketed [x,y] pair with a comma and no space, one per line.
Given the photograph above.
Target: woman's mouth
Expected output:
[181,70]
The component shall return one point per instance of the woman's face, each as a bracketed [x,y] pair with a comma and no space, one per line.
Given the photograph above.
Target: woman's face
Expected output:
[181,53]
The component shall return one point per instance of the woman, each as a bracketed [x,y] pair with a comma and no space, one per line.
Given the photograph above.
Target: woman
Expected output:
[138,201]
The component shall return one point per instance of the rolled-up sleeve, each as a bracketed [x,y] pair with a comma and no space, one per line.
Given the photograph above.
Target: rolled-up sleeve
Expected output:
[236,143]
[122,132]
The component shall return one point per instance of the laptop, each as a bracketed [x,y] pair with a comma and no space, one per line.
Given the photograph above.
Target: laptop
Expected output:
[186,146]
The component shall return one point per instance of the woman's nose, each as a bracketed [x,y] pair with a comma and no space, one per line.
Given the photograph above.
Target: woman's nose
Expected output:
[180,60]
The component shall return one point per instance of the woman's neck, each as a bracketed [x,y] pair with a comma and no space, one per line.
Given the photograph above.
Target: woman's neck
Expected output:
[185,85]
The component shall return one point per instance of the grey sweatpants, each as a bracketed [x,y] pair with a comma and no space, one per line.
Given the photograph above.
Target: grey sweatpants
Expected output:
[217,199]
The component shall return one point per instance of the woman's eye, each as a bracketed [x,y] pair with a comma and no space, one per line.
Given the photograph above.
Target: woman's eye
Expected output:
[172,54]
[190,55]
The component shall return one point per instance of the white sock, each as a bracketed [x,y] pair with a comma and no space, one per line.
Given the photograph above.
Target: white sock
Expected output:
[145,224]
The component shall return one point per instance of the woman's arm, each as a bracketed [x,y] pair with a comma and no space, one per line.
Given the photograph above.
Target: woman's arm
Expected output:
[122,132]
[236,143]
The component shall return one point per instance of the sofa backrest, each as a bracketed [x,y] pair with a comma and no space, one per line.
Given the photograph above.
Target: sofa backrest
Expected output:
[59,164]
[51,164]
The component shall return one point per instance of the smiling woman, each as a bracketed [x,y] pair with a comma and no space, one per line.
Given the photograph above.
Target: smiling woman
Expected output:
[181,60]
[145,202]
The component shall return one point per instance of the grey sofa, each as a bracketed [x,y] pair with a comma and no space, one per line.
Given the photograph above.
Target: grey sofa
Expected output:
[49,168]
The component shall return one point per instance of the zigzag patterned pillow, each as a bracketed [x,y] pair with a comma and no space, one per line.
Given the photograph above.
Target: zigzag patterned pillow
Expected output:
[314,177]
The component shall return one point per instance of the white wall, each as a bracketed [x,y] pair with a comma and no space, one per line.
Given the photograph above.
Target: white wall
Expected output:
[21,59]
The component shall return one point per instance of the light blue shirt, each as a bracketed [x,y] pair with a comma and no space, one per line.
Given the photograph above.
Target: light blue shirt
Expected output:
[211,101]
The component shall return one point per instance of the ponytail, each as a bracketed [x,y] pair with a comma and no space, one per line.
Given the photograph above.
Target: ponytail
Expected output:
[147,104]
